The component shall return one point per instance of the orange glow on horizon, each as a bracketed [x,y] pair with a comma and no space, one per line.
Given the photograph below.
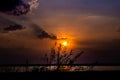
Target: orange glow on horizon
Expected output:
[66,40]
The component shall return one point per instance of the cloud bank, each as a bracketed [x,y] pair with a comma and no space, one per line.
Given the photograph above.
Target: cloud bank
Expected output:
[14,27]
[20,7]
[42,34]
[17,7]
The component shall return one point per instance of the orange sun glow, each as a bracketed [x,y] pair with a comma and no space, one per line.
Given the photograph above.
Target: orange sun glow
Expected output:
[65,43]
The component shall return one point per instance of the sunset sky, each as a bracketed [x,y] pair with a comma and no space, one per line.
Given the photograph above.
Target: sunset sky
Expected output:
[92,26]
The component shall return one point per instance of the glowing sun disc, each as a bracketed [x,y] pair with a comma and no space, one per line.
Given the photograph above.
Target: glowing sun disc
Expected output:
[65,43]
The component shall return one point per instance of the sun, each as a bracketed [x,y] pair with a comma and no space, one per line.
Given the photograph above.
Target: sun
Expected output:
[65,43]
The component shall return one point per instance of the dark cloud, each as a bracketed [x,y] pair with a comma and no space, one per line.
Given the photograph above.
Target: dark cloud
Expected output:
[14,27]
[20,7]
[14,7]
[42,34]
[9,25]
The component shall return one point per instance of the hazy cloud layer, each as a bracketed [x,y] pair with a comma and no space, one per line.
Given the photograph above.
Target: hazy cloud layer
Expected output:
[91,7]
[10,26]
[19,56]
[100,51]
[118,29]
[91,22]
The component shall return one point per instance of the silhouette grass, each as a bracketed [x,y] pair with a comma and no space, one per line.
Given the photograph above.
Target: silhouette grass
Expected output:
[59,56]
